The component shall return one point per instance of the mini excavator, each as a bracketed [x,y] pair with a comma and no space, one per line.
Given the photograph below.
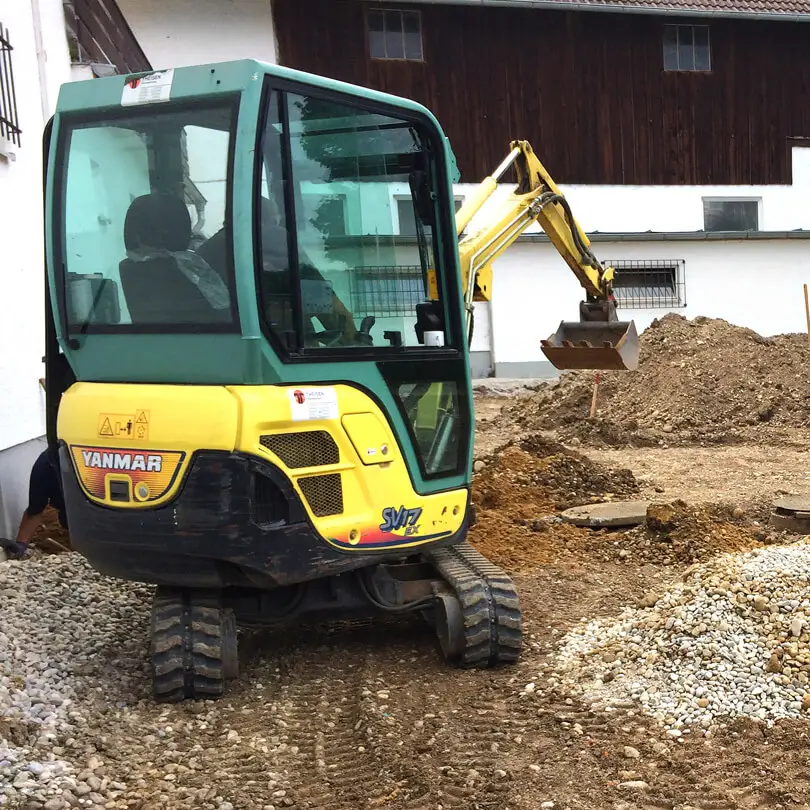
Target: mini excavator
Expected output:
[258,314]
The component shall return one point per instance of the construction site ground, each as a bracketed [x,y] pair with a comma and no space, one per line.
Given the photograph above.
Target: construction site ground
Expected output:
[368,716]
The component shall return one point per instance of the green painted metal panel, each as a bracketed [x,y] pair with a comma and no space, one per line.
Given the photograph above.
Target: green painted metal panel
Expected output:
[245,358]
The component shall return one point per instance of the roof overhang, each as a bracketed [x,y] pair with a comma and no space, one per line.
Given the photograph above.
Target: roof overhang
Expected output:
[622,8]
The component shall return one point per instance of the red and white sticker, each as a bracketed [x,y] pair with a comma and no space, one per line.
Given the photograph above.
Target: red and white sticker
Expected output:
[307,404]
[150,89]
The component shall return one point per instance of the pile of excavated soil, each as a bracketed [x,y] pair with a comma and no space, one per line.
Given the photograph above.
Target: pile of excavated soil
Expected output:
[700,381]
[51,530]
[523,486]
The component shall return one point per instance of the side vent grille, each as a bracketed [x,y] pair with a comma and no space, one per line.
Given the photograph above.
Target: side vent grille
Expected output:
[312,448]
[324,493]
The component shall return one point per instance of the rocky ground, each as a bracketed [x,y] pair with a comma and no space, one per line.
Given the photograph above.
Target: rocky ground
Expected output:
[666,667]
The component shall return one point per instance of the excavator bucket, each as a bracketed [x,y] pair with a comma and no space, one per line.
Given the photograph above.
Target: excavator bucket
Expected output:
[610,345]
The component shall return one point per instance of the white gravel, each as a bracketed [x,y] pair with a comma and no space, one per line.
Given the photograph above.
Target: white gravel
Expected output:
[65,636]
[729,640]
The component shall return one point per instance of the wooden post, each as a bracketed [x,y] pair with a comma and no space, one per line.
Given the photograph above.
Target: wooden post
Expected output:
[807,314]
[595,392]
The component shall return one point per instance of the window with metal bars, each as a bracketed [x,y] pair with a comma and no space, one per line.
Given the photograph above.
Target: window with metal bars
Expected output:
[649,284]
[9,121]
[387,291]
[395,34]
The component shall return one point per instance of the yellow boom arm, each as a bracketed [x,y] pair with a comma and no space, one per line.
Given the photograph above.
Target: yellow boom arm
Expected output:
[537,198]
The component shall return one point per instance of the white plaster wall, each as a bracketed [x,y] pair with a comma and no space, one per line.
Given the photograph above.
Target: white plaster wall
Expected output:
[22,401]
[21,259]
[174,33]
[638,209]
[754,284]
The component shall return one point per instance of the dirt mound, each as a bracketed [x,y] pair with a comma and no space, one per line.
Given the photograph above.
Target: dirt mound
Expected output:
[699,381]
[524,485]
[536,474]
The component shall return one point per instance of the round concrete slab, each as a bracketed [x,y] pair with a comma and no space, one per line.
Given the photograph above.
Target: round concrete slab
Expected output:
[793,504]
[601,515]
[791,514]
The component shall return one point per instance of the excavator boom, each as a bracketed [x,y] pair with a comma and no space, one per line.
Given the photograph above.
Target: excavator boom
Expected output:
[598,340]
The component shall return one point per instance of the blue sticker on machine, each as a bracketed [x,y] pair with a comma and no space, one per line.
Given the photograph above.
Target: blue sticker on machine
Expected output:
[402,518]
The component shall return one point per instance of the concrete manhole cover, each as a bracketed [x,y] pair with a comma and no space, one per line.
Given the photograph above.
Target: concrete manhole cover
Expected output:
[791,514]
[599,515]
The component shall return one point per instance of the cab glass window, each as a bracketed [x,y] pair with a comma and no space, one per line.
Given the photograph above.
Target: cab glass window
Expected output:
[336,270]
[145,206]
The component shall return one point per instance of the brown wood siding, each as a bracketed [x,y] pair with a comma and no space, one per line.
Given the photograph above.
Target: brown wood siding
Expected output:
[587,89]
[104,35]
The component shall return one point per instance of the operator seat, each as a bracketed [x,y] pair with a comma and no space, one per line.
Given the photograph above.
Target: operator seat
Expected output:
[156,290]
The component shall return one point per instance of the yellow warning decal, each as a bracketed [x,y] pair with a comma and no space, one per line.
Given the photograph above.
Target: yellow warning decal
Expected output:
[126,426]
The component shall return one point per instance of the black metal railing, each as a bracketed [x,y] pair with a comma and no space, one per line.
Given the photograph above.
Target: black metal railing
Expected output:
[387,291]
[9,121]
[649,283]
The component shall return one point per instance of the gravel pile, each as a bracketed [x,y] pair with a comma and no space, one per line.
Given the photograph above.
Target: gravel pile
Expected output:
[65,633]
[730,640]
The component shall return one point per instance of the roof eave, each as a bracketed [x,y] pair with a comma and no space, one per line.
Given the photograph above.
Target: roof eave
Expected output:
[619,8]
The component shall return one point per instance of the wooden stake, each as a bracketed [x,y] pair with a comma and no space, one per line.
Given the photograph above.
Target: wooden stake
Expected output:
[596,391]
[807,314]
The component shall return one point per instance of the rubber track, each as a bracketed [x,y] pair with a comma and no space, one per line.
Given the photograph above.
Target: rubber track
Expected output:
[186,647]
[493,626]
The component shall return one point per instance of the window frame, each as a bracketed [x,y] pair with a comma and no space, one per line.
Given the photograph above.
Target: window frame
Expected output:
[443,247]
[399,197]
[733,199]
[677,300]
[68,123]
[677,27]
[401,12]
[10,130]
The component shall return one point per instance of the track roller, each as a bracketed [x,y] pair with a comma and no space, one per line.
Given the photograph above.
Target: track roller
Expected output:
[479,624]
[193,645]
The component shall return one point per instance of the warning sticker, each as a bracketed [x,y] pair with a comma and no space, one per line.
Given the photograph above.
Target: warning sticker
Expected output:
[307,404]
[124,425]
[149,89]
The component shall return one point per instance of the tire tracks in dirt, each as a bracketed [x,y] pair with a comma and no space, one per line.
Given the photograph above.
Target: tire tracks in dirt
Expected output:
[326,714]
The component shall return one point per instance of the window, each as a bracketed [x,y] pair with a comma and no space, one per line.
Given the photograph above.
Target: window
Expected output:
[407,218]
[9,122]
[140,192]
[394,35]
[686,47]
[344,160]
[649,284]
[730,214]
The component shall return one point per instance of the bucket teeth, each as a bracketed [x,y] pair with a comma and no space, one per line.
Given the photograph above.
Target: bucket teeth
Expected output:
[609,345]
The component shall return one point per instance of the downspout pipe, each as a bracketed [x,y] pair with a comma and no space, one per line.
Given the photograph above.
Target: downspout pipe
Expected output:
[42,59]
[620,8]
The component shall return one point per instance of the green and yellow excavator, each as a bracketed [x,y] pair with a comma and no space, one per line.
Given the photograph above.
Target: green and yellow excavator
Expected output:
[259,308]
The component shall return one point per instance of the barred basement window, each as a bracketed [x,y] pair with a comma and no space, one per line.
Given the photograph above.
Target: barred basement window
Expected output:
[649,284]
[387,291]
[9,122]
[395,35]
